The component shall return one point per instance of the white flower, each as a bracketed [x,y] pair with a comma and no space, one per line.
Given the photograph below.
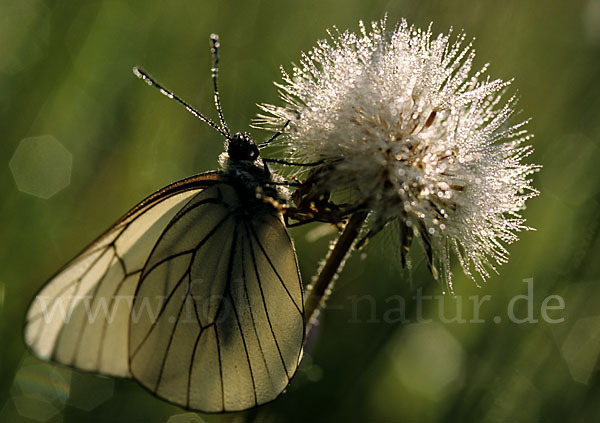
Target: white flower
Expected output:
[405,128]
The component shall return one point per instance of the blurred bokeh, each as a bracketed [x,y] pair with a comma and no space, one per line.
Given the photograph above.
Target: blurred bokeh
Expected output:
[83,140]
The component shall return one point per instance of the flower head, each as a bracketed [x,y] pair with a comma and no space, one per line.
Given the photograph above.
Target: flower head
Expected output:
[404,127]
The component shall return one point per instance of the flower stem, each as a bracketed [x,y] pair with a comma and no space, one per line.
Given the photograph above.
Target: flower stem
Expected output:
[322,287]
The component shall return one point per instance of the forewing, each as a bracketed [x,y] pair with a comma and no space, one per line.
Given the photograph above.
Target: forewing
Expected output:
[80,317]
[224,330]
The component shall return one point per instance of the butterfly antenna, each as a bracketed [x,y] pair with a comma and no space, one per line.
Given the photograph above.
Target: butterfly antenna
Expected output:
[152,82]
[214,38]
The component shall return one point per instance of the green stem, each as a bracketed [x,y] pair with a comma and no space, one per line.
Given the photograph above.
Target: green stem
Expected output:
[321,288]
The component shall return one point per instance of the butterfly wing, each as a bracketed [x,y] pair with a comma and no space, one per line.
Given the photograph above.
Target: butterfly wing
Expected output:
[217,321]
[80,317]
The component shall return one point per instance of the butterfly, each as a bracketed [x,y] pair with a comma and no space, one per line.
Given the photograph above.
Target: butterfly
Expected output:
[195,292]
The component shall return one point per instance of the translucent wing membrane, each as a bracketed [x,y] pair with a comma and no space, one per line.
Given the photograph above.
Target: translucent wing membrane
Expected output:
[192,293]
[217,321]
[195,293]
[81,316]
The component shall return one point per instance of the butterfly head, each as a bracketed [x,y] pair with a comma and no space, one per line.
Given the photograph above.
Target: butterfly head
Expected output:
[242,147]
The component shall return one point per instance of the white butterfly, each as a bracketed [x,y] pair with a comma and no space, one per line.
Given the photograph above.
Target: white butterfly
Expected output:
[195,292]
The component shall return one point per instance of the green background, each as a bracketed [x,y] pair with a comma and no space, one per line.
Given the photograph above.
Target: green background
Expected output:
[65,71]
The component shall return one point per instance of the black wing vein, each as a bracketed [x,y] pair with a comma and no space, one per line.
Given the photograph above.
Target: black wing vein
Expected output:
[262,294]
[262,249]
[237,317]
[175,324]
[260,347]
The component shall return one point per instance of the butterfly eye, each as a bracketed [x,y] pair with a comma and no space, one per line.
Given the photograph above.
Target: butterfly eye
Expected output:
[254,151]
